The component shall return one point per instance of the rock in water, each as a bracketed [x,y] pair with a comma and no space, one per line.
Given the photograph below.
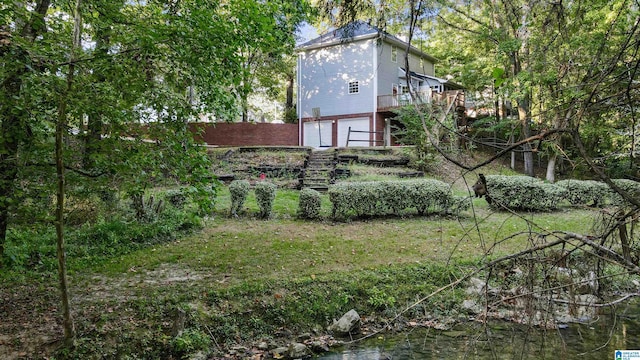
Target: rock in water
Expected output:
[347,323]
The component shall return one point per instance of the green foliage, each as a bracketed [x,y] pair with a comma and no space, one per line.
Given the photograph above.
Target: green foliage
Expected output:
[585,192]
[190,341]
[309,204]
[632,188]
[291,116]
[389,197]
[596,193]
[523,193]
[379,299]
[265,194]
[176,197]
[151,68]
[110,233]
[239,190]
[422,155]
[411,131]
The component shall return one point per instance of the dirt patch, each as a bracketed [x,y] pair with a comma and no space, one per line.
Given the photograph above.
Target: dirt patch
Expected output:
[29,320]
[30,315]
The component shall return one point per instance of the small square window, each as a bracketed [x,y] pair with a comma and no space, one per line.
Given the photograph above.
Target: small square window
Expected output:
[354,87]
[394,54]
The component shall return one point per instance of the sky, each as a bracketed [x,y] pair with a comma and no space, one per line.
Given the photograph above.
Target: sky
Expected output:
[306,33]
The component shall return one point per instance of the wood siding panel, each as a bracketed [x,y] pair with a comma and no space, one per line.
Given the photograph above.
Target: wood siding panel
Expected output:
[325,74]
[388,70]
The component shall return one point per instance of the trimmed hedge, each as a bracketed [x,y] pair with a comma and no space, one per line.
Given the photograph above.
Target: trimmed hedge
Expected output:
[629,186]
[265,194]
[523,193]
[585,192]
[309,204]
[239,190]
[596,193]
[376,198]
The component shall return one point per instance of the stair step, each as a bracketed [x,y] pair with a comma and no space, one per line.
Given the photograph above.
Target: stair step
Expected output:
[318,171]
[328,162]
[316,181]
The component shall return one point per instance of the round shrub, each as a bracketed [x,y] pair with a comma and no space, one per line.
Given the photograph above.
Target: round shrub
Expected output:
[309,204]
[239,190]
[265,193]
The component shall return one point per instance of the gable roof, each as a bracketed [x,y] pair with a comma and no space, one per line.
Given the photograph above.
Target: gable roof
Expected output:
[355,31]
[450,84]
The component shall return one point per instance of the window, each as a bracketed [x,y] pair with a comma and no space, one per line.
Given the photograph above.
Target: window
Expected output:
[394,54]
[354,87]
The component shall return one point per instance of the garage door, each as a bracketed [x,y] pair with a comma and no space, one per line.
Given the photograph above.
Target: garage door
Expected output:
[356,138]
[318,134]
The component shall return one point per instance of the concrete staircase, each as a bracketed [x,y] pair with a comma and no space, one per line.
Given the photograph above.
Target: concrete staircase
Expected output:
[319,170]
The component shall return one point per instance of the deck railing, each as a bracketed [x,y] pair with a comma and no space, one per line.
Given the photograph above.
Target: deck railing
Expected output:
[389,102]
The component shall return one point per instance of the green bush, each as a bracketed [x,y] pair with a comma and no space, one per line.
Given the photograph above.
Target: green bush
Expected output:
[309,204]
[629,186]
[191,341]
[460,203]
[374,198]
[523,193]
[176,197]
[585,192]
[265,194]
[428,195]
[239,190]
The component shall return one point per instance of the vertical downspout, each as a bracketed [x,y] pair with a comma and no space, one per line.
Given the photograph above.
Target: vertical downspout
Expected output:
[299,100]
[375,86]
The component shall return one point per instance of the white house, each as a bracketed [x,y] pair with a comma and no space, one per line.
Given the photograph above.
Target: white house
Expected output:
[351,78]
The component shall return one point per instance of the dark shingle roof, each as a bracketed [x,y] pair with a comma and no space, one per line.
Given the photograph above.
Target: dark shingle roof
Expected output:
[356,29]
[345,33]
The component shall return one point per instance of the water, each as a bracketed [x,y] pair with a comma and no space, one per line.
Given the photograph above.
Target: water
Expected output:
[498,340]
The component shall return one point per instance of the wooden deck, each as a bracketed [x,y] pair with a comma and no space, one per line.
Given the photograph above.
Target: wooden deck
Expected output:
[390,102]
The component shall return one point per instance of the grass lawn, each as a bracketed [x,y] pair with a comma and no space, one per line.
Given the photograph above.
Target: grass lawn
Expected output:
[249,248]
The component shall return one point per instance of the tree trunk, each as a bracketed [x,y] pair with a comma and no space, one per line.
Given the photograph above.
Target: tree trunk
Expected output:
[61,124]
[524,115]
[289,101]
[245,113]
[551,168]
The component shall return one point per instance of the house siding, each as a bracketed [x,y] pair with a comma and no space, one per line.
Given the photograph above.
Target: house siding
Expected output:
[325,75]
[388,70]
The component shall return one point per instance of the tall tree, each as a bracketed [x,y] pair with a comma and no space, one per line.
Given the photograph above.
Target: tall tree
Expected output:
[61,125]
[264,57]
[18,62]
